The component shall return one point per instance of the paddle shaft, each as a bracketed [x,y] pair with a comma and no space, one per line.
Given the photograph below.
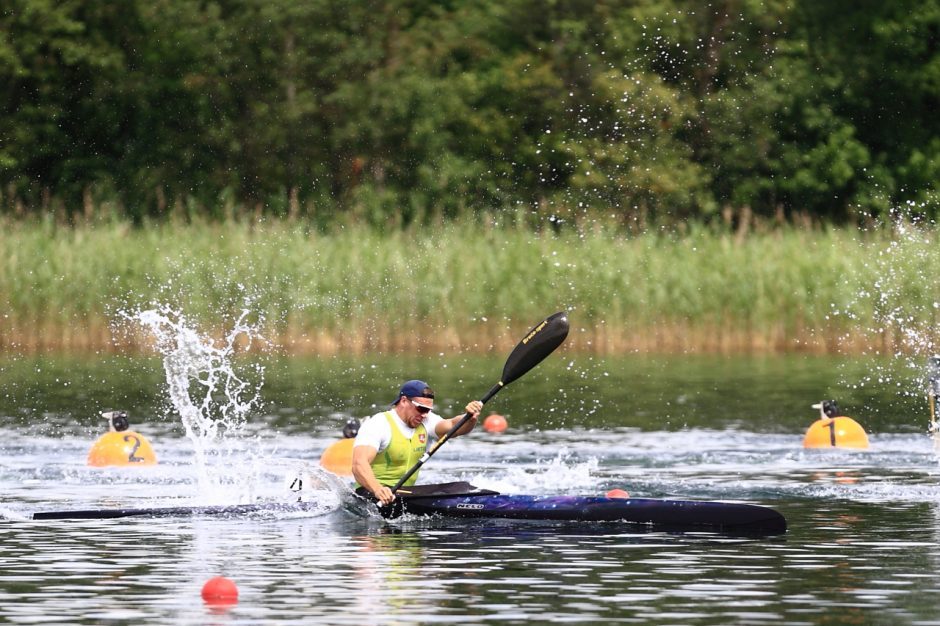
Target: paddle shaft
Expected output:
[933,386]
[450,433]
[933,412]
[934,429]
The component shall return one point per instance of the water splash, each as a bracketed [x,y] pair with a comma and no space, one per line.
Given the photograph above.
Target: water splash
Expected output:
[213,401]
[903,308]
[563,473]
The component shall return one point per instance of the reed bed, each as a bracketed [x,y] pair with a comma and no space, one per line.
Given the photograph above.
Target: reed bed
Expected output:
[471,285]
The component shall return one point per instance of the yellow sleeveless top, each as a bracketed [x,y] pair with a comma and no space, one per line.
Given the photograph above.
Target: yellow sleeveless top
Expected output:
[400,455]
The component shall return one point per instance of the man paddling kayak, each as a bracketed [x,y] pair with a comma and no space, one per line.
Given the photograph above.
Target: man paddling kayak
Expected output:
[391,442]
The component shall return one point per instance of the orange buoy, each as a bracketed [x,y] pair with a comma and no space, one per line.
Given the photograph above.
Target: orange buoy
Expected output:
[832,430]
[337,458]
[220,590]
[835,432]
[121,448]
[495,423]
[617,493]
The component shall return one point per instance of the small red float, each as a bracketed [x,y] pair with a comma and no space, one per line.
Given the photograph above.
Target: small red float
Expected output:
[495,423]
[220,590]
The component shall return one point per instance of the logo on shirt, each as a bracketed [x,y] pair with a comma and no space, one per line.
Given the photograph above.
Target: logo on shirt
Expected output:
[422,437]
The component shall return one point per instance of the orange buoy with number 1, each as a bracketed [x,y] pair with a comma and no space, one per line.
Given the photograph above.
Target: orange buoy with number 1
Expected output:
[832,430]
[120,446]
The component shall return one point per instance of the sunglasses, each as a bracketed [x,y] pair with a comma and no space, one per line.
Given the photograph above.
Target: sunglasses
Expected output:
[423,410]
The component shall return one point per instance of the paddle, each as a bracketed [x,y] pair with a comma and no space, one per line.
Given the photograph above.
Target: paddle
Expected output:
[933,390]
[534,347]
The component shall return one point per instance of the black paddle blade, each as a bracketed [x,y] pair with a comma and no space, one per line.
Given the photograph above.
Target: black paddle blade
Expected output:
[537,344]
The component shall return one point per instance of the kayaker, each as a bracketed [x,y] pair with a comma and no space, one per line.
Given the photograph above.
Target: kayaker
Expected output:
[389,443]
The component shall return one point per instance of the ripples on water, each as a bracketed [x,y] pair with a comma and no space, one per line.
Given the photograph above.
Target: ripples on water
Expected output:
[862,546]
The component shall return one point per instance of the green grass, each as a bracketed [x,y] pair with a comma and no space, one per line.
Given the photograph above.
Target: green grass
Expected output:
[472,285]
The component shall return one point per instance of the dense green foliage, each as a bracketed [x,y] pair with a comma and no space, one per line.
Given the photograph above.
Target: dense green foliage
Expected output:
[401,111]
[475,285]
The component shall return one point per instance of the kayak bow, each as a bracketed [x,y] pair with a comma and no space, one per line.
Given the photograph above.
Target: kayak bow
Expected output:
[179,511]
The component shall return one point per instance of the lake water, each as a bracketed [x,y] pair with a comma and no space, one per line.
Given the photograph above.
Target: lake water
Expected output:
[863,545]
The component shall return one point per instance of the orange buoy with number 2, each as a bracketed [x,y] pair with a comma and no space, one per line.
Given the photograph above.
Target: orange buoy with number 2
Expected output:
[120,446]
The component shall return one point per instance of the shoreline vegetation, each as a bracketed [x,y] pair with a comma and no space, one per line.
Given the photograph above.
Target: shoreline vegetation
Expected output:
[473,285]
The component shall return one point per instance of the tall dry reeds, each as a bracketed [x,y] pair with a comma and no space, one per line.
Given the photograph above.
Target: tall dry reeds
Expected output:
[470,285]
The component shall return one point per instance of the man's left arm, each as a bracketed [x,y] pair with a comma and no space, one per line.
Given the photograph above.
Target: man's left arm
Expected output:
[444,426]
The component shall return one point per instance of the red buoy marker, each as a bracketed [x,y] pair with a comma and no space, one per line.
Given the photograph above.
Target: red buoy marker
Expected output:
[220,590]
[617,493]
[495,423]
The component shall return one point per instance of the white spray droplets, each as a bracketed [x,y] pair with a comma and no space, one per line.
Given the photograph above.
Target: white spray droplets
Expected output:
[901,270]
[212,400]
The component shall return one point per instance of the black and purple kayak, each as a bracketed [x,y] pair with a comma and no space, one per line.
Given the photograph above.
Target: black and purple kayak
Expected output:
[464,500]
[673,514]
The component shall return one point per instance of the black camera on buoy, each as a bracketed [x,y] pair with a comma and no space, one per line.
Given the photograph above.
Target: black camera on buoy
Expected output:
[117,420]
[351,429]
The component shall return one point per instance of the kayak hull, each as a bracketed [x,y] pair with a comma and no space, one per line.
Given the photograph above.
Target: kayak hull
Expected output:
[672,514]
[463,500]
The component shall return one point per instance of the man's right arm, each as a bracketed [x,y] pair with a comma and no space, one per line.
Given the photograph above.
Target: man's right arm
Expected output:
[362,471]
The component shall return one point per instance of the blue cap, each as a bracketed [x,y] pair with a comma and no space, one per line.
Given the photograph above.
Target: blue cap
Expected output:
[415,389]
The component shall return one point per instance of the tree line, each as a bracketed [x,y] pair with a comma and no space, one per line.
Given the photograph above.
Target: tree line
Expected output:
[418,110]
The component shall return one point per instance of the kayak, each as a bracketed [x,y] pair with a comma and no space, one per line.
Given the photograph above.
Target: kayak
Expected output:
[464,500]
[664,514]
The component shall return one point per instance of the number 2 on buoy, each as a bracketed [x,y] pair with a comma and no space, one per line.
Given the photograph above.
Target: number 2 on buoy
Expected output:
[132,457]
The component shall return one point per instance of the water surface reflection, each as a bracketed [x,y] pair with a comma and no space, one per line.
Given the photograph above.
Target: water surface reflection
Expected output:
[862,545]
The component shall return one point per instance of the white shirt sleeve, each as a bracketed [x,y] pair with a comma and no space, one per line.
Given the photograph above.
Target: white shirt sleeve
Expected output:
[431,422]
[375,432]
